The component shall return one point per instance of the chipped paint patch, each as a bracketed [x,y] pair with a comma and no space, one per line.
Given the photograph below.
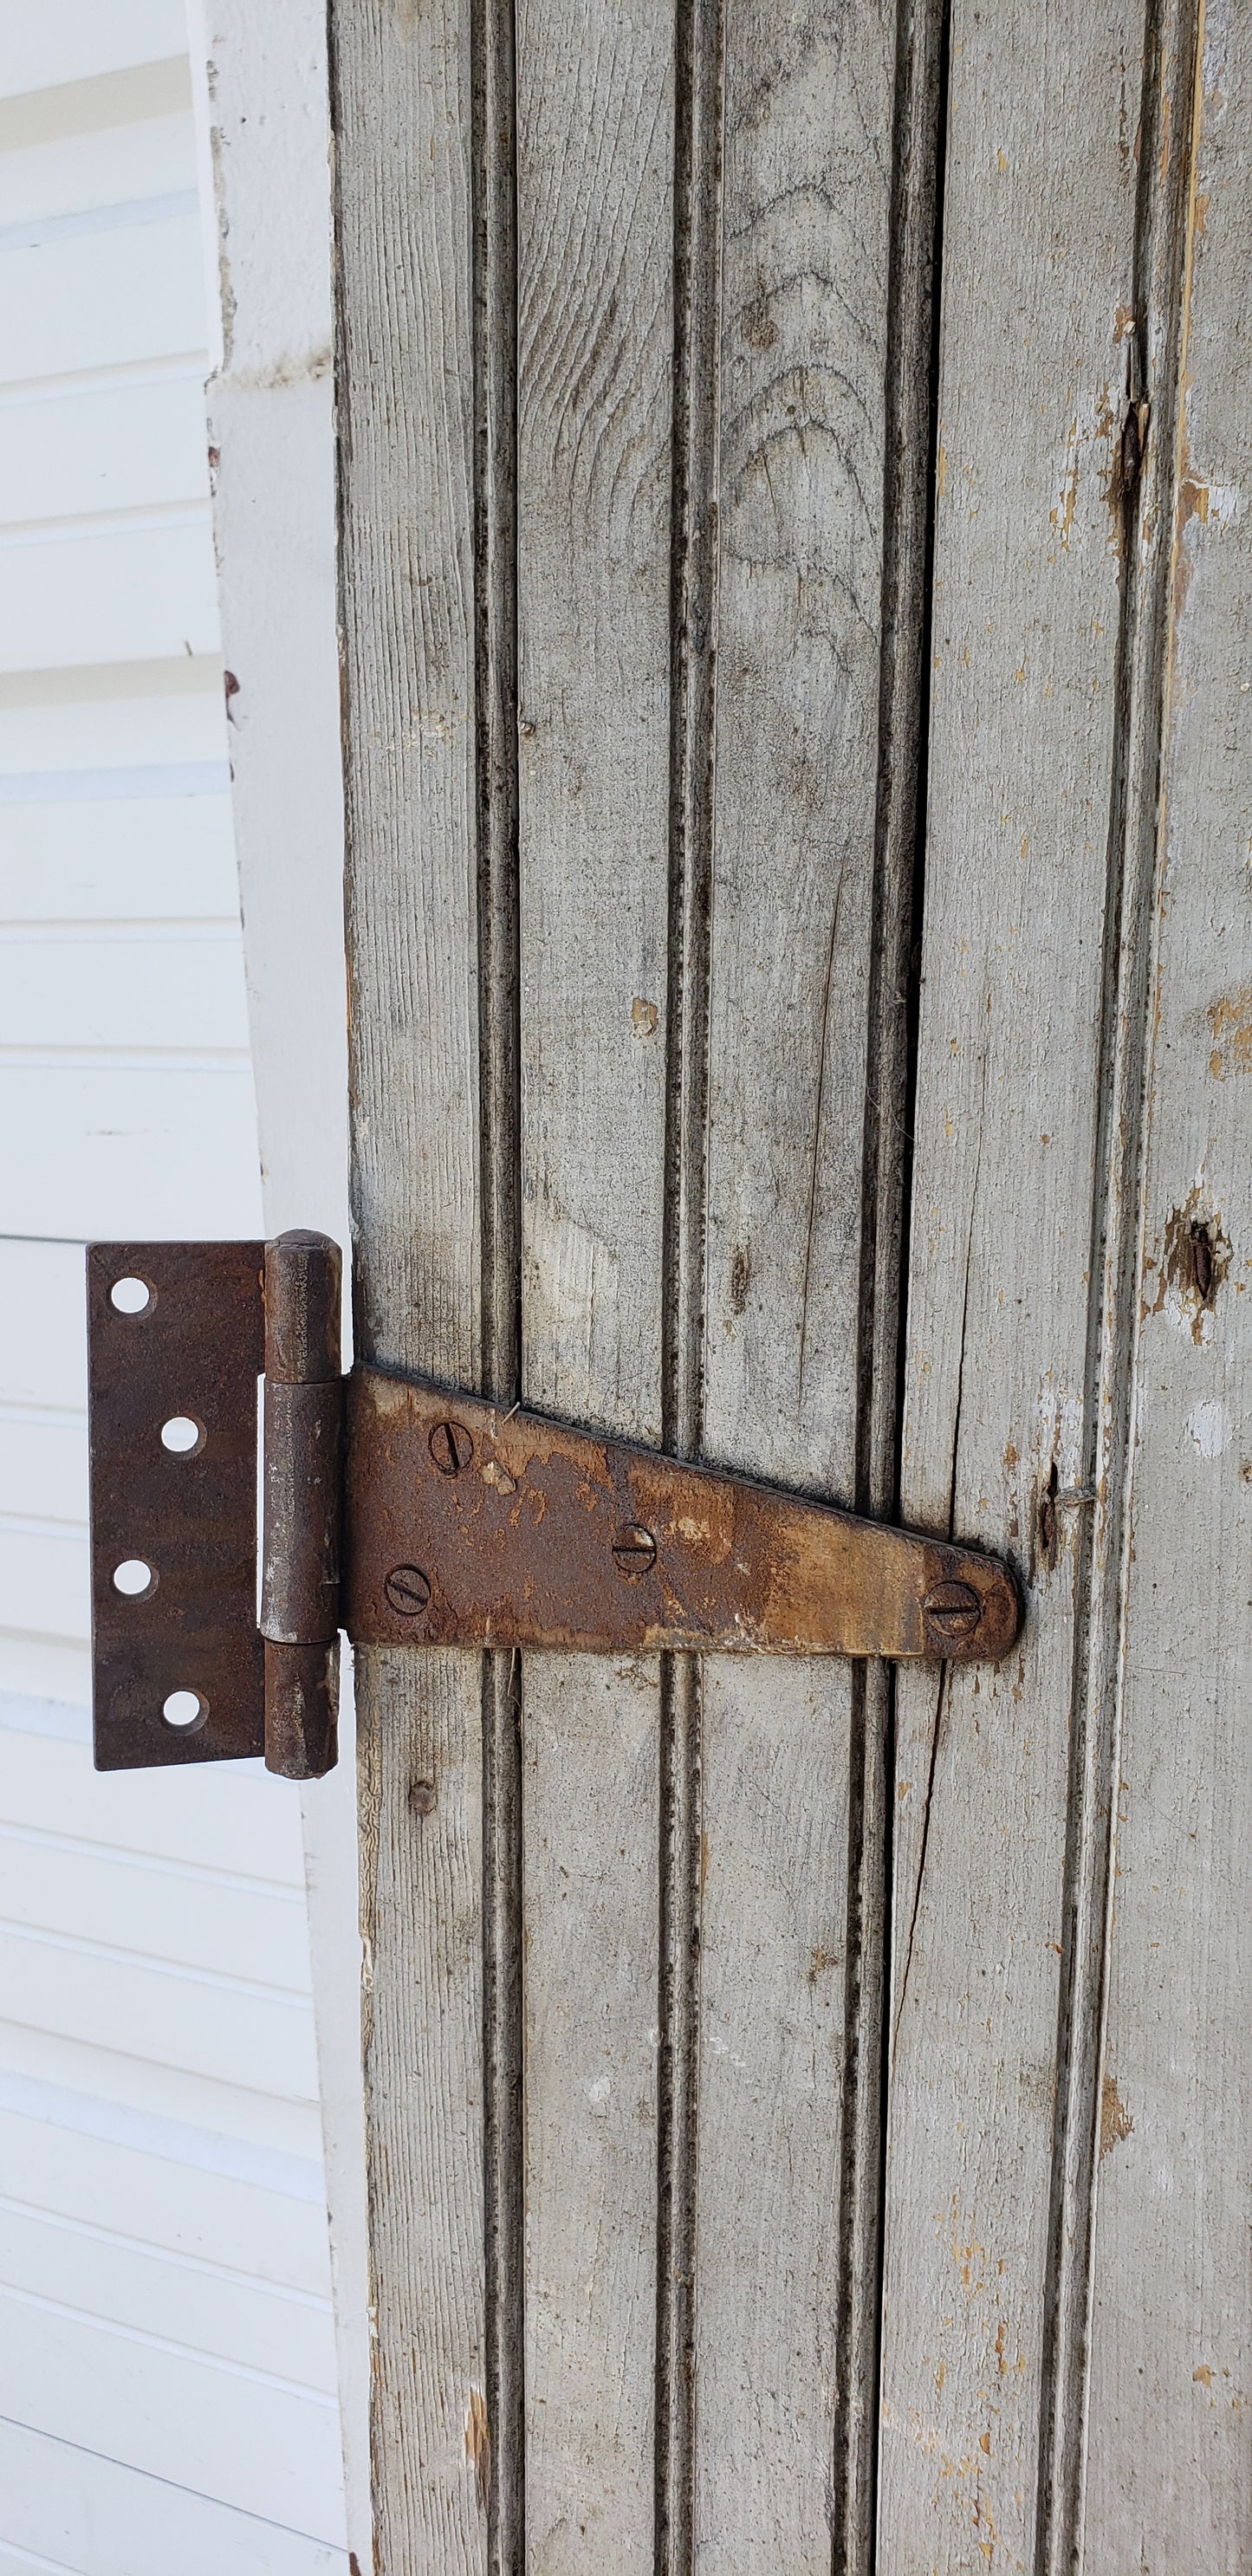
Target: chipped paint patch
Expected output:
[1182,1279]
[1230,1021]
[478,2444]
[1210,1427]
[1115,2120]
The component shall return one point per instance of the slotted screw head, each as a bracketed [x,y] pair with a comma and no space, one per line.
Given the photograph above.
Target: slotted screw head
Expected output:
[451,1446]
[407,1590]
[953,1609]
[634,1549]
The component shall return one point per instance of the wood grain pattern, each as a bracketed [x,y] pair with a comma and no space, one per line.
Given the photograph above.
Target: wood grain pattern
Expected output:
[400,84]
[806,231]
[1039,234]
[1169,2474]
[688,1185]
[781,452]
[595,177]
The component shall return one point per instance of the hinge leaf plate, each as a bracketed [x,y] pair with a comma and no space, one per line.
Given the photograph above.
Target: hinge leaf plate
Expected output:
[194,1354]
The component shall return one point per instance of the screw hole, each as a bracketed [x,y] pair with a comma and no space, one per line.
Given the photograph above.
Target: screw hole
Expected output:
[1047,1518]
[134,1579]
[183,1435]
[185,1711]
[132,1296]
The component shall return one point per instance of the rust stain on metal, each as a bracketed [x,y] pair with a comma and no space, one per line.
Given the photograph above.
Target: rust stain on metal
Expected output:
[303,1476]
[533,1556]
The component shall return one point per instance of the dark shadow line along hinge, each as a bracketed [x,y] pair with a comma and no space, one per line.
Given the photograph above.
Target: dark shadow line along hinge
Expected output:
[411,1515]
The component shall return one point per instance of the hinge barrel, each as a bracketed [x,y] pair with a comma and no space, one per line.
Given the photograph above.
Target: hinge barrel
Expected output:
[303,1504]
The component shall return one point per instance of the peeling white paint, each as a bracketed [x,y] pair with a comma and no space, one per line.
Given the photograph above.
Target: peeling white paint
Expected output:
[1210,1427]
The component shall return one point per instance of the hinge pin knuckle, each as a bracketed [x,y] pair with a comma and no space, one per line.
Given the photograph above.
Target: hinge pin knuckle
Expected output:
[303,1504]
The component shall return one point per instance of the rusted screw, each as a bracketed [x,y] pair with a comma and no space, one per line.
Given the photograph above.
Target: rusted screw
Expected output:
[953,1609]
[634,1549]
[407,1590]
[451,1447]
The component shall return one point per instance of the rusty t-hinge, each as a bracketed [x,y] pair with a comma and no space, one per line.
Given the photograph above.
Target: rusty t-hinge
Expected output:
[413,1515]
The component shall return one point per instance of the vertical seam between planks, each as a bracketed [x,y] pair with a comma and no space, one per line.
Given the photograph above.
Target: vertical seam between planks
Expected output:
[1163,214]
[698,165]
[494,183]
[911,437]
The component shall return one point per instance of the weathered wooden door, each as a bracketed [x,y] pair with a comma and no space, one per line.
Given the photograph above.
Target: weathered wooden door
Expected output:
[795,588]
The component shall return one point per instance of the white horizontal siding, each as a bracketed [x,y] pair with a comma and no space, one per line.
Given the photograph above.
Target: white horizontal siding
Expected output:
[58,180]
[65,42]
[121,591]
[231,2029]
[121,2280]
[116,857]
[73,451]
[149,2401]
[138,985]
[121,294]
[41,1464]
[166,2183]
[85,2511]
[163,2258]
[267,2125]
[43,1334]
[115,719]
[168,2393]
[115,1149]
[196,1916]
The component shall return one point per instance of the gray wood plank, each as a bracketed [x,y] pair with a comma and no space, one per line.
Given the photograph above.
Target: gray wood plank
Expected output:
[405,384]
[595,181]
[801,438]
[1039,267]
[1169,2475]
